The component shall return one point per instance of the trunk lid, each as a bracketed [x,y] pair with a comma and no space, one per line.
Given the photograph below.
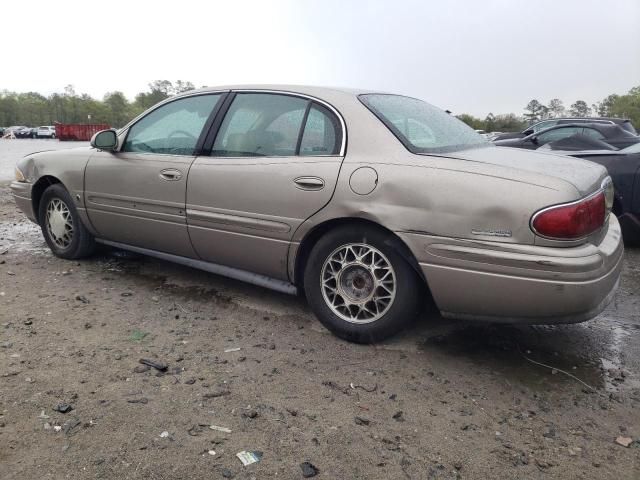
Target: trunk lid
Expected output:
[585,176]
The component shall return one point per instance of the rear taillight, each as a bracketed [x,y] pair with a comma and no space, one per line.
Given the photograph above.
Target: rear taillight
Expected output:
[571,221]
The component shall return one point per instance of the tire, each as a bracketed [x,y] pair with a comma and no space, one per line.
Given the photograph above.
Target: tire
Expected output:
[346,297]
[65,234]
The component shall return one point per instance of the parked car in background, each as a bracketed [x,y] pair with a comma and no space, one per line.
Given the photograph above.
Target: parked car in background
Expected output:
[624,169]
[260,184]
[14,129]
[543,125]
[483,134]
[610,133]
[47,131]
[23,132]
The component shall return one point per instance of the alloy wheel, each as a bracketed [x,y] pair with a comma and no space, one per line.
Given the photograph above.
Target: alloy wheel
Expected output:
[358,283]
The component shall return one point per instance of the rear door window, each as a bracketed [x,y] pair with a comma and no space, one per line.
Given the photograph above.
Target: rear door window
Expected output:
[321,133]
[261,124]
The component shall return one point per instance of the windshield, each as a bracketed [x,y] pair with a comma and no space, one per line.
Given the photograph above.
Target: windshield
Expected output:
[422,128]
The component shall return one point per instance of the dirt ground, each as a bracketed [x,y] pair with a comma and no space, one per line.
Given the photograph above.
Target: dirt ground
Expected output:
[443,400]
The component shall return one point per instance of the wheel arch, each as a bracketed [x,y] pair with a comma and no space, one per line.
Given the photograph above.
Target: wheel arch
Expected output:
[317,232]
[38,189]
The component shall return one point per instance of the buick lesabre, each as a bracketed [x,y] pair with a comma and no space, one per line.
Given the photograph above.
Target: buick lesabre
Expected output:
[366,202]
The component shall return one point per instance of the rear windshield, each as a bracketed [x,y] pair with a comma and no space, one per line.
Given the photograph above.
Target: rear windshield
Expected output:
[421,127]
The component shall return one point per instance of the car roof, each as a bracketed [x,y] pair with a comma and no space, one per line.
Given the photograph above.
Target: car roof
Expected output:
[611,130]
[320,92]
[288,88]
[589,119]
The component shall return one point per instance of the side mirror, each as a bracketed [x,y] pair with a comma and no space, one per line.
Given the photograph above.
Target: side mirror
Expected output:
[534,139]
[105,140]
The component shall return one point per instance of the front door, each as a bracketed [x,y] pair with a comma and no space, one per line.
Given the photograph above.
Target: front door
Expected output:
[137,195]
[274,163]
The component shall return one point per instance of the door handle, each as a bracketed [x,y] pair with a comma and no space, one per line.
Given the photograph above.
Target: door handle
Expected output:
[309,183]
[171,174]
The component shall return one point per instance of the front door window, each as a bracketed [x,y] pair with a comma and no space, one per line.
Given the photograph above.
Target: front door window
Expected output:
[173,128]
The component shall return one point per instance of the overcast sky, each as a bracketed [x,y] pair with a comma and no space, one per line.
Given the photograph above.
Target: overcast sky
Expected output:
[467,56]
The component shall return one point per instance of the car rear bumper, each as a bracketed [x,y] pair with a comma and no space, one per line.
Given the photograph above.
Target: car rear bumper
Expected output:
[503,282]
[22,195]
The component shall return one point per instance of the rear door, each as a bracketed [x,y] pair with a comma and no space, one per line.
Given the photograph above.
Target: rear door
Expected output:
[137,194]
[273,163]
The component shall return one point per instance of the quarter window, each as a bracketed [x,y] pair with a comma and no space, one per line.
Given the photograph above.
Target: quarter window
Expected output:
[321,135]
[592,133]
[173,128]
[260,124]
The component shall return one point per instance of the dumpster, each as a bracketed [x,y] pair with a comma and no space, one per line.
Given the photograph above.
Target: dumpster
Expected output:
[77,131]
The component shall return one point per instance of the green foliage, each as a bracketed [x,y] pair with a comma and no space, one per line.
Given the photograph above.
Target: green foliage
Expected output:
[508,123]
[534,110]
[627,106]
[495,123]
[472,121]
[556,108]
[580,109]
[33,109]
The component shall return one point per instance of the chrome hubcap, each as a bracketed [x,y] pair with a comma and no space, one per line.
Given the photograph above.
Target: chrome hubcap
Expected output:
[59,223]
[358,283]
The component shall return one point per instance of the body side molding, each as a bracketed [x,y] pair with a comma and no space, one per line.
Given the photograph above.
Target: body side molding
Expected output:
[230,272]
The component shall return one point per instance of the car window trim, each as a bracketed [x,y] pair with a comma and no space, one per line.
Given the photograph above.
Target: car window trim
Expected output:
[199,143]
[215,127]
[303,127]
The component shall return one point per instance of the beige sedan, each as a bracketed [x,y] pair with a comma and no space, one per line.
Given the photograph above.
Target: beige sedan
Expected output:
[369,203]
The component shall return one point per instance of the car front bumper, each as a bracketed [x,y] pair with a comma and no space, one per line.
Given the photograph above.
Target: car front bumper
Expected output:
[501,282]
[22,195]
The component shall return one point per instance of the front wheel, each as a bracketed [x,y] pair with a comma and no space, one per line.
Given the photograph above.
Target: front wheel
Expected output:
[360,286]
[61,226]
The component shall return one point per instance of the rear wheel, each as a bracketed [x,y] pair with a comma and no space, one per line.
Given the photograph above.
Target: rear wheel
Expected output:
[360,286]
[61,226]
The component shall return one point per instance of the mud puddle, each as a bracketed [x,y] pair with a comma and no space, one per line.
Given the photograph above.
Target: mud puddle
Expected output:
[537,357]
[22,237]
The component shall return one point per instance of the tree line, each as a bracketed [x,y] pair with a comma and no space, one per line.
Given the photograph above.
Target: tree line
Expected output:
[620,106]
[33,109]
